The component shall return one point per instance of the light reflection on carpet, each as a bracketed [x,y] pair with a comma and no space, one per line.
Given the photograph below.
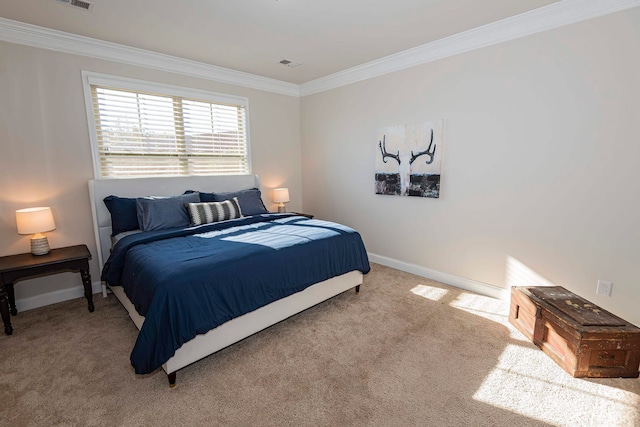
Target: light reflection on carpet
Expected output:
[547,393]
[429,292]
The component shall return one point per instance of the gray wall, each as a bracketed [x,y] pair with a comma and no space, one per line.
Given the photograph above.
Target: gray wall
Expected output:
[46,155]
[540,172]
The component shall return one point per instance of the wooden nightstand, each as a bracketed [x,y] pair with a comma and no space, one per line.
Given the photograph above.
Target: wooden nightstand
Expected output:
[21,266]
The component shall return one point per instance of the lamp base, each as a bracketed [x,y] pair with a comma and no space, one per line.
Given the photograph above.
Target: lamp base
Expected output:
[282,209]
[39,246]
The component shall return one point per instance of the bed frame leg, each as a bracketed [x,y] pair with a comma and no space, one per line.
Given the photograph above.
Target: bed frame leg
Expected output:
[172,379]
[357,289]
[104,290]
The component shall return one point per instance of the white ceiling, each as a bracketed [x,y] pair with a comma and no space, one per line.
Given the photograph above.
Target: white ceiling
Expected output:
[326,36]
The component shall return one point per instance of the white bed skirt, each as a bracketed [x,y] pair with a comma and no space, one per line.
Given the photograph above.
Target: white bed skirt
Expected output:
[250,323]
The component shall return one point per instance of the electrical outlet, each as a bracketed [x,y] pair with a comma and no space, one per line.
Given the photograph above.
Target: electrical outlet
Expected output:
[604,288]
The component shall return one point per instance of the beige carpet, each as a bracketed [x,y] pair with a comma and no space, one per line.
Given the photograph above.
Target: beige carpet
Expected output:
[405,352]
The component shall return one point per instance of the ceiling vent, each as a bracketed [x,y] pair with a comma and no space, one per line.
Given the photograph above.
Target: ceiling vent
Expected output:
[290,64]
[79,4]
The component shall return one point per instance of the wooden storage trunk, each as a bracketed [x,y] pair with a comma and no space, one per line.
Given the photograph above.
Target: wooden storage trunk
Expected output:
[585,340]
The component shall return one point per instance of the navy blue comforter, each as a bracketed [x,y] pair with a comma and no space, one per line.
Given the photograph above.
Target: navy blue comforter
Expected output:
[188,281]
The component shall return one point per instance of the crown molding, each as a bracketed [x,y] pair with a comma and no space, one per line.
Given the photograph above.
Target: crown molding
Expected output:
[555,15]
[45,38]
[535,21]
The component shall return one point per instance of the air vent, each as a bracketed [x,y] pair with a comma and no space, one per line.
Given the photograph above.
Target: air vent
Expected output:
[289,63]
[85,5]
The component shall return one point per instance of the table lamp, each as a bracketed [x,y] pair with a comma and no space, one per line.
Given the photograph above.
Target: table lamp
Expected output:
[281,196]
[36,221]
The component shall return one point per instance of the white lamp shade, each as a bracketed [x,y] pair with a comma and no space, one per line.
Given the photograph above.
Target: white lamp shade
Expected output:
[34,220]
[281,195]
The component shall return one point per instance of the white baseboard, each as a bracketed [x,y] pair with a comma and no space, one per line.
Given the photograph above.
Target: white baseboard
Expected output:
[25,304]
[37,301]
[49,298]
[42,300]
[448,279]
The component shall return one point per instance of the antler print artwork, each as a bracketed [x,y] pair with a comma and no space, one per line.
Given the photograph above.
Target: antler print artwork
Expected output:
[418,171]
[405,161]
[383,150]
[428,152]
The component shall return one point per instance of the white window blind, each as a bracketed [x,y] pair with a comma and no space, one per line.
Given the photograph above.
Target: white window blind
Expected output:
[139,133]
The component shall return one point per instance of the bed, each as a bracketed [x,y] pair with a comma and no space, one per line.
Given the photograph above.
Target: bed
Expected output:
[196,289]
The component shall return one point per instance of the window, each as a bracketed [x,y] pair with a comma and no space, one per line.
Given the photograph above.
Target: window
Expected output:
[142,129]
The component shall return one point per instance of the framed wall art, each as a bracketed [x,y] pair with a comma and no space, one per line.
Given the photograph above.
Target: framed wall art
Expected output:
[408,159]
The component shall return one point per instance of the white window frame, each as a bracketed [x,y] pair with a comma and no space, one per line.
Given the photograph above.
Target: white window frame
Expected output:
[90,78]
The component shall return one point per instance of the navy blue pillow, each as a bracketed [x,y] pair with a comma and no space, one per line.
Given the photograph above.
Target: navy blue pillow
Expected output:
[124,216]
[250,200]
[164,212]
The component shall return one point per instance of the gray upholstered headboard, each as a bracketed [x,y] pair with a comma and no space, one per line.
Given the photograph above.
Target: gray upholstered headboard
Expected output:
[140,187]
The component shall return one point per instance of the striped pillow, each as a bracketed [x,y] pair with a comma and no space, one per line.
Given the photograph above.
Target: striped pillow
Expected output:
[206,213]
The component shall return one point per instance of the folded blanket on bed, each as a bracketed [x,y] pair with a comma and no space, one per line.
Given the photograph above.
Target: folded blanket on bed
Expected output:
[188,281]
